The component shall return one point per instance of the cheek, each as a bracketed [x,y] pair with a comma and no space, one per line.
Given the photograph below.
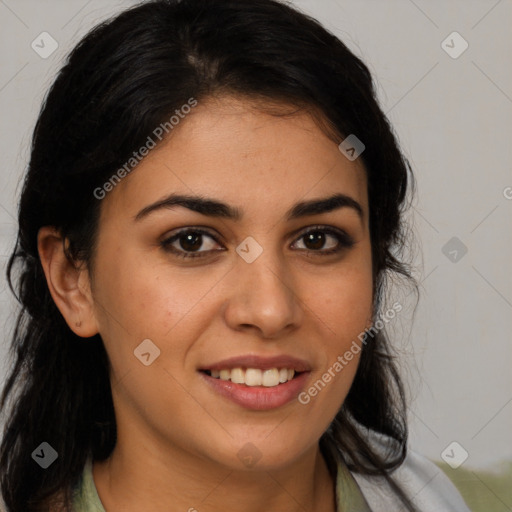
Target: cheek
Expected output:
[344,302]
[343,308]
[137,293]
[139,299]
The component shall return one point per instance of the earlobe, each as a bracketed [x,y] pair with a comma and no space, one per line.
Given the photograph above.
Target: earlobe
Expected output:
[68,283]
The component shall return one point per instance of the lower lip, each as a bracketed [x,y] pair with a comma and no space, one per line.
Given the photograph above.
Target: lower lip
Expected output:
[258,398]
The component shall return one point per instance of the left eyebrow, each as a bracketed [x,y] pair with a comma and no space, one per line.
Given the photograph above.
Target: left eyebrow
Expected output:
[215,208]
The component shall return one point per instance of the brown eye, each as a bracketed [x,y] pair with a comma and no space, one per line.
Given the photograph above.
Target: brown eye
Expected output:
[315,240]
[187,243]
[191,241]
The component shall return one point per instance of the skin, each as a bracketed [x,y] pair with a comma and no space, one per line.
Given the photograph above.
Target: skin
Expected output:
[177,439]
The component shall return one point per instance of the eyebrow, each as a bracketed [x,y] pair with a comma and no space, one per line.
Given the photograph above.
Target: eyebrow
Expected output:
[214,208]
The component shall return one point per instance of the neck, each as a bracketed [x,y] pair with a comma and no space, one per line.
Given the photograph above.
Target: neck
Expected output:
[144,477]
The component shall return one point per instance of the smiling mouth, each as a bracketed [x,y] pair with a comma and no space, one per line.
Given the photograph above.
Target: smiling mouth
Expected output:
[251,377]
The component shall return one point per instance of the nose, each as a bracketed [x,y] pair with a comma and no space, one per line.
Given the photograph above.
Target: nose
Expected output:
[263,298]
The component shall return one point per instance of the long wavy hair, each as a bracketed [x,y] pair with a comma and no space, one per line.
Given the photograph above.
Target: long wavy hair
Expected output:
[124,78]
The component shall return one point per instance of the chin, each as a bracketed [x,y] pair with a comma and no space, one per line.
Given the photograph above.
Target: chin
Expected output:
[262,454]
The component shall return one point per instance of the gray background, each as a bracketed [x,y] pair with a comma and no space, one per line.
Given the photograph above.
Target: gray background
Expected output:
[453,118]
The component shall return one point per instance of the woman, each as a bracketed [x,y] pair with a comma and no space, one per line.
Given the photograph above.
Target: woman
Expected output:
[213,203]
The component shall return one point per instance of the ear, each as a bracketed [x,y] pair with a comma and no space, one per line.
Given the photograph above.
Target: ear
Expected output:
[68,282]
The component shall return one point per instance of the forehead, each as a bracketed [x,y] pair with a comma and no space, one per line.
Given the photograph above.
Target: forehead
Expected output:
[231,149]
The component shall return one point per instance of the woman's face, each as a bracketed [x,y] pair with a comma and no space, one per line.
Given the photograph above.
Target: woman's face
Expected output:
[285,284]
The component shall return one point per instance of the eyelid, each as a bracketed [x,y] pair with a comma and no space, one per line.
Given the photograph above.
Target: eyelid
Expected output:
[321,227]
[169,239]
[345,240]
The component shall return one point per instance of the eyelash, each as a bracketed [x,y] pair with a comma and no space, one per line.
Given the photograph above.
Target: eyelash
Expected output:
[344,242]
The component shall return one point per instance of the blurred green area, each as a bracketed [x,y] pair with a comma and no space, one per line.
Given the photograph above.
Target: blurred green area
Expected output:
[483,491]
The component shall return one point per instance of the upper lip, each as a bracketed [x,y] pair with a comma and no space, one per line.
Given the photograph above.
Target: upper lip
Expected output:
[261,362]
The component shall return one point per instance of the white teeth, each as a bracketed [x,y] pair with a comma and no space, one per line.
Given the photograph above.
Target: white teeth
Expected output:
[237,376]
[255,377]
[270,377]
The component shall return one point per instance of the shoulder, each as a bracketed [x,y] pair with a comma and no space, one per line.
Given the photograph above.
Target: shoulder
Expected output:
[424,483]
